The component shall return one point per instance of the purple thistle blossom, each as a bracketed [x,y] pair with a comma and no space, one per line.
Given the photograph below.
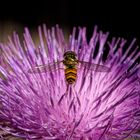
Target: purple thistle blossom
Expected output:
[100,106]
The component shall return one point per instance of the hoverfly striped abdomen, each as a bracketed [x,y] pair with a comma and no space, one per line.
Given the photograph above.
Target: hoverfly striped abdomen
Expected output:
[71,75]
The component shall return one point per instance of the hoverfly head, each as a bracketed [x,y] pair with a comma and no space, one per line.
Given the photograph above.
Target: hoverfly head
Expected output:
[70,58]
[70,55]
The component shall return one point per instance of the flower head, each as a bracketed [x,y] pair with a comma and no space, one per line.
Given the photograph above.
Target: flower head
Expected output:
[42,105]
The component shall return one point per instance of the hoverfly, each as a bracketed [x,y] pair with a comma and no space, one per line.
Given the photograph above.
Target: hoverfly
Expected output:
[71,64]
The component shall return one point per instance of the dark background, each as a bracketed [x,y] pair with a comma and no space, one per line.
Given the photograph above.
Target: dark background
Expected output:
[118,17]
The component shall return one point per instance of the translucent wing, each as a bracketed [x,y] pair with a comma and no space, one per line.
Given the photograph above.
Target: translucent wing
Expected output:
[46,68]
[93,67]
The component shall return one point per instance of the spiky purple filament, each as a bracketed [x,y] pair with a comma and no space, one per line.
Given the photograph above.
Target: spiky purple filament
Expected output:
[100,106]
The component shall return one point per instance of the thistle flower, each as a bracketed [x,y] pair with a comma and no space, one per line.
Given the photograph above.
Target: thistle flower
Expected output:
[42,106]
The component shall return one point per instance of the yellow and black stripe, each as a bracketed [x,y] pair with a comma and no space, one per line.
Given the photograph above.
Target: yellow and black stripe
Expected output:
[71,75]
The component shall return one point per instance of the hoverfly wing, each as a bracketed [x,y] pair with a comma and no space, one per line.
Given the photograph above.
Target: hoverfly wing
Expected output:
[93,67]
[46,68]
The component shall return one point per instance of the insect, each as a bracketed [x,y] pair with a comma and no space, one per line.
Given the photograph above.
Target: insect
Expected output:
[71,65]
